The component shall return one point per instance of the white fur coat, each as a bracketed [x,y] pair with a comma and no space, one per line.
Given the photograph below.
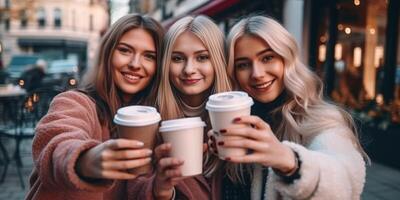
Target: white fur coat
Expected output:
[331,168]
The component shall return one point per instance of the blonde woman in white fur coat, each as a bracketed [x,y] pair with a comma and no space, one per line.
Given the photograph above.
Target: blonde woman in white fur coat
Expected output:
[300,146]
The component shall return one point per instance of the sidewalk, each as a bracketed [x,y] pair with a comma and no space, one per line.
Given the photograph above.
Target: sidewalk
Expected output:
[383,183]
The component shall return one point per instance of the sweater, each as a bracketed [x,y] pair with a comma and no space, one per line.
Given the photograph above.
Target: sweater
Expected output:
[331,166]
[70,127]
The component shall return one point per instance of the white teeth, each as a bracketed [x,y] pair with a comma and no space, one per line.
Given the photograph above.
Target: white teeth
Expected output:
[263,85]
[132,77]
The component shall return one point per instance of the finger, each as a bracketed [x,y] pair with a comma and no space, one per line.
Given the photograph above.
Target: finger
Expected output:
[252,120]
[130,154]
[162,150]
[112,174]
[211,144]
[214,151]
[211,133]
[123,144]
[248,132]
[212,138]
[250,158]
[245,143]
[173,173]
[205,147]
[169,162]
[125,164]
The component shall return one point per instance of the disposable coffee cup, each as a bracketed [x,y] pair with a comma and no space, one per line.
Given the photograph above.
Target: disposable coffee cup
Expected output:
[223,108]
[186,138]
[138,123]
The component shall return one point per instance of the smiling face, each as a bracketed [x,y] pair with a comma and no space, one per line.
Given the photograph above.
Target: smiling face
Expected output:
[134,62]
[258,69]
[191,71]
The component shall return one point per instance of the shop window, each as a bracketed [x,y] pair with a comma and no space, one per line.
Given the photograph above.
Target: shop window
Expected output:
[57,18]
[322,39]
[41,17]
[6,22]
[24,19]
[358,51]
[91,25]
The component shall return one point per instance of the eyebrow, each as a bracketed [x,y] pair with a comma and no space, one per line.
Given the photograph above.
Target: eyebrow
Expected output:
[196,52]
[131,47]
[257,54]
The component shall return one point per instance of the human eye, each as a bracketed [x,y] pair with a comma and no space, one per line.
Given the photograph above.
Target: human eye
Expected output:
[242,65]
[177,58]
[124,50]
[267,58]
[202,57]
[150,56]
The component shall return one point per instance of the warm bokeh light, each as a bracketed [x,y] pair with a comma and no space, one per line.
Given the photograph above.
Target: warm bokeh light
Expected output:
[338,51]
[379,99]
[347,30]
[357,55]
[72,81]
[322,39]
[21,82]
[322,53]
[372,31]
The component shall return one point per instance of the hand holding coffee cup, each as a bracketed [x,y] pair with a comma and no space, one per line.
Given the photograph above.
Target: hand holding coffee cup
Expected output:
[265,147]
[138,123]
[186,138]
[112,159]
[180,156]
[223,108]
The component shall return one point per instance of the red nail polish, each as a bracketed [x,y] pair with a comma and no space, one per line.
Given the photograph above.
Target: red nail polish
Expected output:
[220,143]
[227,158]
[222,131]
[237,119]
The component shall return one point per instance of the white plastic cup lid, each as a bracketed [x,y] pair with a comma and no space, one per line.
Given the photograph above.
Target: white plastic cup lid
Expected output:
[137,116]
[229,101]
[179,124]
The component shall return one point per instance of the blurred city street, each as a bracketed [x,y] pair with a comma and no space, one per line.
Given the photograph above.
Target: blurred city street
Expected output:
[383,182]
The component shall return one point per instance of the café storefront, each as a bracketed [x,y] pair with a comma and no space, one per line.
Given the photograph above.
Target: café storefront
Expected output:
[354,46]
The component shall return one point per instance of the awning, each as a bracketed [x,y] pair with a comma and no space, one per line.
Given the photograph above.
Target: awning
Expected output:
[209,9]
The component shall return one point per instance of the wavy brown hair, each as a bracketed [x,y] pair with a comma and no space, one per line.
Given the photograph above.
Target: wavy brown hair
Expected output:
[99,81]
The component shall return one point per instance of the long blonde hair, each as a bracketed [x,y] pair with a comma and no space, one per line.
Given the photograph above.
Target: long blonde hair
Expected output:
[305,112]
[99,83]
[213,39]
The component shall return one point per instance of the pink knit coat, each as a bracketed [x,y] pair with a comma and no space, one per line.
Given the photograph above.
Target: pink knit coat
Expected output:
[71,127]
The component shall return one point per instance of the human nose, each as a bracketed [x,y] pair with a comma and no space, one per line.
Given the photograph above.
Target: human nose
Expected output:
[135,62]
[189,67]
[258,71]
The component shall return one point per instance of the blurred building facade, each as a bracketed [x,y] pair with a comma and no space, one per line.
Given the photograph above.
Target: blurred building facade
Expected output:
[53,29]
[353,45]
